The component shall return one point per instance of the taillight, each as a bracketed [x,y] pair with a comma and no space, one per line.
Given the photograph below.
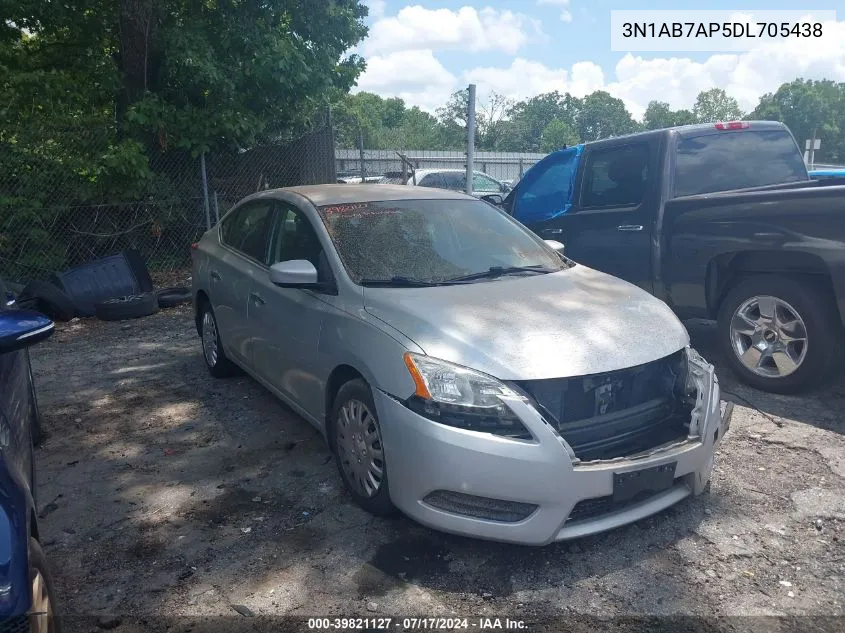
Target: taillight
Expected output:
[195,245]
[733,125]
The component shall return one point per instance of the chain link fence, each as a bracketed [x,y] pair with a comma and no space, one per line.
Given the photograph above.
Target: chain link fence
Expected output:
[69,195]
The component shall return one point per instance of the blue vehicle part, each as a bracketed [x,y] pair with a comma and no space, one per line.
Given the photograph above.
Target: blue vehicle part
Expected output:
[818,174]
[119,275]
[546,190]
[18,330]
[16,507]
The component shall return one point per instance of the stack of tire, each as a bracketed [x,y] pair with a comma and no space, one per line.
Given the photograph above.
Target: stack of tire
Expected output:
[141,305]
[55,303]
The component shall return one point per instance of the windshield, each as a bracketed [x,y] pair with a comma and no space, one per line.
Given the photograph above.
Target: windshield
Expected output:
[431,240]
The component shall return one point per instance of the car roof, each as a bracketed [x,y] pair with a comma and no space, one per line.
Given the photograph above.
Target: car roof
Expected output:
[320,195]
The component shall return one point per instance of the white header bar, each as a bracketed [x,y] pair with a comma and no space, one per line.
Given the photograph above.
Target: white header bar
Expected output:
[715,31]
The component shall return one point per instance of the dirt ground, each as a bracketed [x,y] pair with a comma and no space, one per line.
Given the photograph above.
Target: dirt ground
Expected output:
[166,492]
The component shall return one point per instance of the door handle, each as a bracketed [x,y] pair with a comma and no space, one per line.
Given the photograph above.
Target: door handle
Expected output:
[553,231]
[256,298]
[629,227]
[215,275]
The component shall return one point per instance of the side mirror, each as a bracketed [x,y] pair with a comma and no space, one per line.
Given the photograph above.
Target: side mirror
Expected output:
[22,328]
[294,273]
[555,245]
[494,198]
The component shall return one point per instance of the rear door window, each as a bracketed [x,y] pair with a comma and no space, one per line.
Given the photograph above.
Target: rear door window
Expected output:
[615,177]
[247,229]
[721,161]
[454,180]
[432,180]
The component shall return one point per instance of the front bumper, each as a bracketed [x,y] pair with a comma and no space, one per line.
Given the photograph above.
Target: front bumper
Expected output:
[424,457]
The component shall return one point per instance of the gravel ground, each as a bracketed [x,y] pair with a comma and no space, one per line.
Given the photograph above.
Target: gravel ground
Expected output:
[166,492]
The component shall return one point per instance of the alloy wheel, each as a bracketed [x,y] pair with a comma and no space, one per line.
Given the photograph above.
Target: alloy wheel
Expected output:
[768,336]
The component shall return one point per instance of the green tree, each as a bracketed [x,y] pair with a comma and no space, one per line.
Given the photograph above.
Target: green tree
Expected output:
[557,135]
[175,72]
[527,120]
[810,109]
[603,116]
[659,115]
[715,105]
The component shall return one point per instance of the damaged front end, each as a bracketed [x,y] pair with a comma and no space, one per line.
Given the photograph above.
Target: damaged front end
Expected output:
[631,412]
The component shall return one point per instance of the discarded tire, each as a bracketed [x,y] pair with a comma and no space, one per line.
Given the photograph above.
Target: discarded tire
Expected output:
[122,308]
[49,299]
[169,297]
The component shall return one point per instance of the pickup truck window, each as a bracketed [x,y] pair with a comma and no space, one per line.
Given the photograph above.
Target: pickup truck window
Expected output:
[722,161]
[617,176]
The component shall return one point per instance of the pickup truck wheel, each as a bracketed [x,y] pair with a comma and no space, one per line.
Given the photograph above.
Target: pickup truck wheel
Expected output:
[779,334]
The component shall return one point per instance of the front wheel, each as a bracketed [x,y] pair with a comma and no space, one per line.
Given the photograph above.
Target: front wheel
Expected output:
[42,618]
[779,334]
[358,448]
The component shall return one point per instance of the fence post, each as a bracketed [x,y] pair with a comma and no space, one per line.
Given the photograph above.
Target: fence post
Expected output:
[470,137]
[520,168]
[361,154]
[216,209]
[205,192]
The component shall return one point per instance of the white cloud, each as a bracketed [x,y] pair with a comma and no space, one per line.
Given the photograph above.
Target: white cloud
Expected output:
[418,77]
[744,76]
[565,15]
[525,78]
[376,8]
[415,76]
[467,29]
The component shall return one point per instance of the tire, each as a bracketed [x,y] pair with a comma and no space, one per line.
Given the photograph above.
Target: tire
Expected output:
[170,297]
[122,308]
[49,299]
[44,601]
[139,269]
[350,398]
[822,332]
[215,358]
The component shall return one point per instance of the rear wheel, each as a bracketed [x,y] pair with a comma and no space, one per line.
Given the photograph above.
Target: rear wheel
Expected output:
[218,364]
[358,448]
[779,334]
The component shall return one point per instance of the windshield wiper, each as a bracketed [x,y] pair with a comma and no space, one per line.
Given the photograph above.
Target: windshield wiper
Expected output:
[498,271]
[399,282]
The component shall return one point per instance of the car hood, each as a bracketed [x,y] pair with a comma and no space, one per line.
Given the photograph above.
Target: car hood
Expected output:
[571,323]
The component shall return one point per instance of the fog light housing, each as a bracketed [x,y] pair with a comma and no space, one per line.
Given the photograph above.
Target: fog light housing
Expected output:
[479,507]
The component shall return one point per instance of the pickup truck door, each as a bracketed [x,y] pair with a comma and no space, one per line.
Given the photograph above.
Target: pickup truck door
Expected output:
[609,221]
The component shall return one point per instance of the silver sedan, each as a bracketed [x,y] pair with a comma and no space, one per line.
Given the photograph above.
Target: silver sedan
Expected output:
[460,368]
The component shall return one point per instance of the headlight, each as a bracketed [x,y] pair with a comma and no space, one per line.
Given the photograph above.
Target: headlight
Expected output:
[461,397]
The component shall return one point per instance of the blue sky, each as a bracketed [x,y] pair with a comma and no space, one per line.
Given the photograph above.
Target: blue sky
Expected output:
[423,50]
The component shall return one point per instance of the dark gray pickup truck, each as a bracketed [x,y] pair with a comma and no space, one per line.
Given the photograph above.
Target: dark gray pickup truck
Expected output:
[721,221]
